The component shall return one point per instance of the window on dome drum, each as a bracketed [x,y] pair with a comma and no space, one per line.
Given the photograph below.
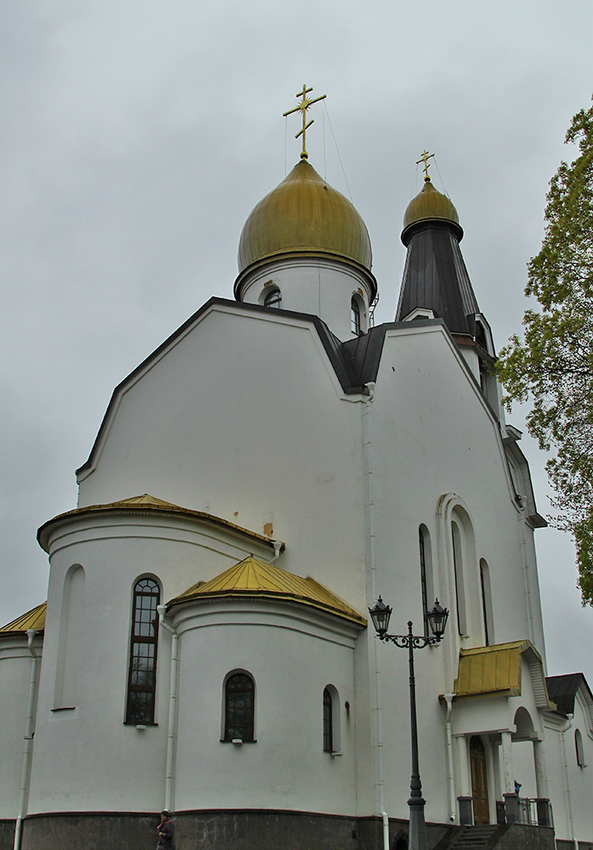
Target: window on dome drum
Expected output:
[355,324]
[239,702]
[273,299]
[143,652]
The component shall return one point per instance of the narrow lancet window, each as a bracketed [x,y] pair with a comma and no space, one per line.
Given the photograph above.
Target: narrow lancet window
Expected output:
[143,653]
[487,614]
[355,324]
[459,579]
[328,737]
[422,535]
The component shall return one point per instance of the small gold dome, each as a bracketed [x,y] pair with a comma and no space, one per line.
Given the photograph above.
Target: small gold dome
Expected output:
[304,214]
[430,205]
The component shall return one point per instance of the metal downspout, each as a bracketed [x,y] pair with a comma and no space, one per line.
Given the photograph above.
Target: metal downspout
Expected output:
[162,610]
[371,572]
[28,747]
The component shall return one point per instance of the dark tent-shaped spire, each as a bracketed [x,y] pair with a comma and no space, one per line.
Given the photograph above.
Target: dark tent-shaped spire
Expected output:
[435,277]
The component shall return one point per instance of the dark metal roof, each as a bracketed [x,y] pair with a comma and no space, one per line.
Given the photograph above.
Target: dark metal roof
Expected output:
[435,278]
[563,690]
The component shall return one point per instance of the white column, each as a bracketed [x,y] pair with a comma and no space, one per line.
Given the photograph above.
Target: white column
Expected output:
[541,774]
[508,781]
[464,778]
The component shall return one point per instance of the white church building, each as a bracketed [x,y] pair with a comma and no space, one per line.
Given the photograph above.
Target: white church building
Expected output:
[256,483]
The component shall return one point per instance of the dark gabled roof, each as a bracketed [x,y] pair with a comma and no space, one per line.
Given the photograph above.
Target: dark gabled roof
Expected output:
[563,690]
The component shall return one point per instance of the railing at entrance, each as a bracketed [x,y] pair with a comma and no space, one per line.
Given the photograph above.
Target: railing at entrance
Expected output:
[534,811]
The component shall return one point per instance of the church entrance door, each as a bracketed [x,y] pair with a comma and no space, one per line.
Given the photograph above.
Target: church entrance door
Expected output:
[477,760]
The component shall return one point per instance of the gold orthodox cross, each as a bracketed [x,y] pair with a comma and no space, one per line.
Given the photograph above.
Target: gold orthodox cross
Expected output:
[303,106]
[424,158]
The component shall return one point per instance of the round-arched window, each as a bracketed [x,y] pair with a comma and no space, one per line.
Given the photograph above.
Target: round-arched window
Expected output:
[355,323]
[273,299]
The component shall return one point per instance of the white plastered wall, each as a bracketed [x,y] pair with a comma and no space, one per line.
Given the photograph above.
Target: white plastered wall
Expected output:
[79,751]
[321,287]
[15,676]
[292,652]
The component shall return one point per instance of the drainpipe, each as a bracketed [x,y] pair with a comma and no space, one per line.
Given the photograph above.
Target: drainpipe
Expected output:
[277,547]
[162,610]
[569,718]
[28,747]
[371,572]
[385,830]
[450,771]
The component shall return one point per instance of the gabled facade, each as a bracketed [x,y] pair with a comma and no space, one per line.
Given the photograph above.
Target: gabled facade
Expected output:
[206,647]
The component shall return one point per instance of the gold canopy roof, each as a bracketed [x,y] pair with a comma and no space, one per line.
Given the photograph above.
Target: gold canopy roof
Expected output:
[304,214]
[430,205]
[33,619]
[254,578]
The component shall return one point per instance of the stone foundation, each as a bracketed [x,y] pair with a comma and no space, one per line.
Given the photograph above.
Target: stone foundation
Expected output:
[247,829]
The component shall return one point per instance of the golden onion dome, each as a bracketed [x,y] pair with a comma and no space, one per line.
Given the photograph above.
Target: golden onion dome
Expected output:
[430,205]
[304,214]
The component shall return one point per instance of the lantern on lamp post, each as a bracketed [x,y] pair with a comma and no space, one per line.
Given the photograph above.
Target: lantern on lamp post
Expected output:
[437,618]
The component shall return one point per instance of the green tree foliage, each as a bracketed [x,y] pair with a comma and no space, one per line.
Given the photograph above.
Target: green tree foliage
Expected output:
[553,366]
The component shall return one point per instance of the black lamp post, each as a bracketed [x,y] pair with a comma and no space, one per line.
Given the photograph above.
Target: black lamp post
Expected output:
[380,614]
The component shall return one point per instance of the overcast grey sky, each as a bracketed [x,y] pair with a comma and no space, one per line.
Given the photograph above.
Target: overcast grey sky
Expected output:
[137,137]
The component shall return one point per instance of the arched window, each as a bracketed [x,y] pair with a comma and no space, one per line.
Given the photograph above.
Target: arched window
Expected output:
[143,652]
[239,703]
[486,603]
[355,323]
[459,579]
[426,583]
[328,723]
[578,743]
[273,298]
[331,720]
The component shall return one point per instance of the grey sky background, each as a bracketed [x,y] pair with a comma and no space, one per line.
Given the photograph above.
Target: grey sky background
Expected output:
[137,137]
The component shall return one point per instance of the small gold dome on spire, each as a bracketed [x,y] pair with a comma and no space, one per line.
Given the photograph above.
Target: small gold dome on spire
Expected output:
[430,205]
[304,215]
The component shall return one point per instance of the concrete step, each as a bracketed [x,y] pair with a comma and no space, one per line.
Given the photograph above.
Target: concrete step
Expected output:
[475,837]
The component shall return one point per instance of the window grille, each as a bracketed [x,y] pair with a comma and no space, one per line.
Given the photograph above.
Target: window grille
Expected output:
[143,653]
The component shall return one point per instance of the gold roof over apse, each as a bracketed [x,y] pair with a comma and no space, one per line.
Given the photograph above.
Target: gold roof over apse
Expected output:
[33,619]
[430,205]
[304,214]
[252,577]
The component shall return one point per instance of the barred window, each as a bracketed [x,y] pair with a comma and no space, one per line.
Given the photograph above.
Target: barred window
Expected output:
[328,736]
[273,299]
[239,703]
[143,653]
[355,321]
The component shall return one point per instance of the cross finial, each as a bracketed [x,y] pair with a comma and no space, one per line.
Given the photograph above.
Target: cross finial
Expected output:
[424,158]
[303,106]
